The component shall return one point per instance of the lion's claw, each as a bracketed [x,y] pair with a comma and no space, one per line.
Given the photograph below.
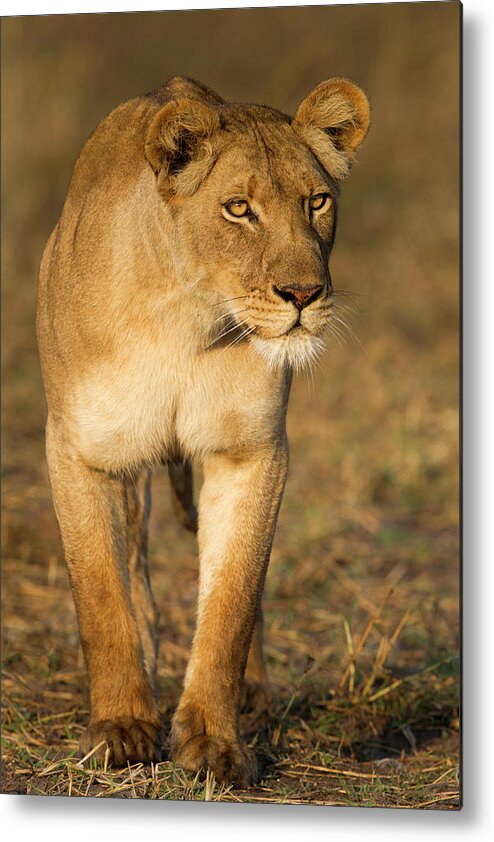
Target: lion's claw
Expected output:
[230,762]
[128,741]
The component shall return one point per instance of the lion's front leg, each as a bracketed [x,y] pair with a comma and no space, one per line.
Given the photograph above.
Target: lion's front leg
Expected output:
[237,515]
[92,514]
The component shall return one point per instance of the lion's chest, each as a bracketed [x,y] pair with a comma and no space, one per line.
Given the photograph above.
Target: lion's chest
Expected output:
[230,416]
[147,409]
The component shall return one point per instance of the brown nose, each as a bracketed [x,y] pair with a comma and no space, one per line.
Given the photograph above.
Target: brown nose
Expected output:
[298,295]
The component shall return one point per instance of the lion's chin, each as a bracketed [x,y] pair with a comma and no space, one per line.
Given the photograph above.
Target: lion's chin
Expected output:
[296,349]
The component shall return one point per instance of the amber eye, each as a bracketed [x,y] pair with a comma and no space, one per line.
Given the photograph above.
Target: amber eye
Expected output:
[319,202]
[238,208]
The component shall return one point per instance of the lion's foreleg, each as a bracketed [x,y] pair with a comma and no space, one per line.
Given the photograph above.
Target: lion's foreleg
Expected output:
[237,514]
[91,511]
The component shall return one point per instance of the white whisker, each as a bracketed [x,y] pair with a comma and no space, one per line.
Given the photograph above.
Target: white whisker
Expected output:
[351,333]
[347,309]
[230,315]
[346,327]
[334,331]
[227,300]
[310,378]
[236,326]
[242,336]
[348,293]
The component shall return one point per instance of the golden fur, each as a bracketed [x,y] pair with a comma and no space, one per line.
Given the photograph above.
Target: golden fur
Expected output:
[169,324]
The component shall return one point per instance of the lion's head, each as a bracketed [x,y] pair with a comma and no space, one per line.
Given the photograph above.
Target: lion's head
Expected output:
[253,197]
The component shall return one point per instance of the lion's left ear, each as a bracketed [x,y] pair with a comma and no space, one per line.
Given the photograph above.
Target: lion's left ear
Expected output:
[333,120]
[178,145]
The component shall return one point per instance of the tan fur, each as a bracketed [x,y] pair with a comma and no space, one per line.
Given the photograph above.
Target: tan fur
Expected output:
[168,332]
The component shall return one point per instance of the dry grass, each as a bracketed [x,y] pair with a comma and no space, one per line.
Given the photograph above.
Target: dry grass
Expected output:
[362,593]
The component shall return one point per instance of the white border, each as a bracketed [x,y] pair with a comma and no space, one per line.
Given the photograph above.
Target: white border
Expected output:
[56,819]
[52,7]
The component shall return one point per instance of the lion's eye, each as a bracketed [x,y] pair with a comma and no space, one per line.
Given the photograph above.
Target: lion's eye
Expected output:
[238,208]
[319,202]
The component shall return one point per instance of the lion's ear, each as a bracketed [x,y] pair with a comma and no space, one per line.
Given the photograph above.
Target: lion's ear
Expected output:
[333,120]
[178,145]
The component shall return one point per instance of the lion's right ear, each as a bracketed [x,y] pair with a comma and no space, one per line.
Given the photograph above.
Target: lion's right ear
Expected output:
[333,120]
[178,145]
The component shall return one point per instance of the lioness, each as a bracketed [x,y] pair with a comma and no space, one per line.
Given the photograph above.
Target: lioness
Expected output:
[186,278]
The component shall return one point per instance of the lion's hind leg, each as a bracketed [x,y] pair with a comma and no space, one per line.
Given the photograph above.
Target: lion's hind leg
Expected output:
[256,694]
[138,504]
[181,486]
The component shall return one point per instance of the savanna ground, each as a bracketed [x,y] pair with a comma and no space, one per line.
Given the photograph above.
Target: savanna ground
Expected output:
[362,595]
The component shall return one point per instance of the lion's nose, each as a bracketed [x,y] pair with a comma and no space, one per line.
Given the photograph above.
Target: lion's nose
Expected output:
[301,296]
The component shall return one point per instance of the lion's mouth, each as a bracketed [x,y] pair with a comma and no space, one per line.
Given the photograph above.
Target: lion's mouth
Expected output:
[297,330]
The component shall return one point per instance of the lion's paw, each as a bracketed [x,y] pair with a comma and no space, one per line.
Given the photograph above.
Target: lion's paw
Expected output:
[128,740]
[230,762]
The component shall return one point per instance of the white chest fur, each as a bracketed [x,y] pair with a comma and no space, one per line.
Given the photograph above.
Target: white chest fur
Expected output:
[154,400]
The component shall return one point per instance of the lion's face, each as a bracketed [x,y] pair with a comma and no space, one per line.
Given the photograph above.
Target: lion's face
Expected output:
[254,215]
[266,214]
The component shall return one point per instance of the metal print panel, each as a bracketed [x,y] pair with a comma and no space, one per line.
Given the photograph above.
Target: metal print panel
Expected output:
[276,629]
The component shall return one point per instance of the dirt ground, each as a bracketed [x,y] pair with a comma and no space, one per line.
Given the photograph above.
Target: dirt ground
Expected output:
[362,595]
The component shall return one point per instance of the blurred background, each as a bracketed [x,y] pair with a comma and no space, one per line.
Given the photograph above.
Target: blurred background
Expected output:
[362,591]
